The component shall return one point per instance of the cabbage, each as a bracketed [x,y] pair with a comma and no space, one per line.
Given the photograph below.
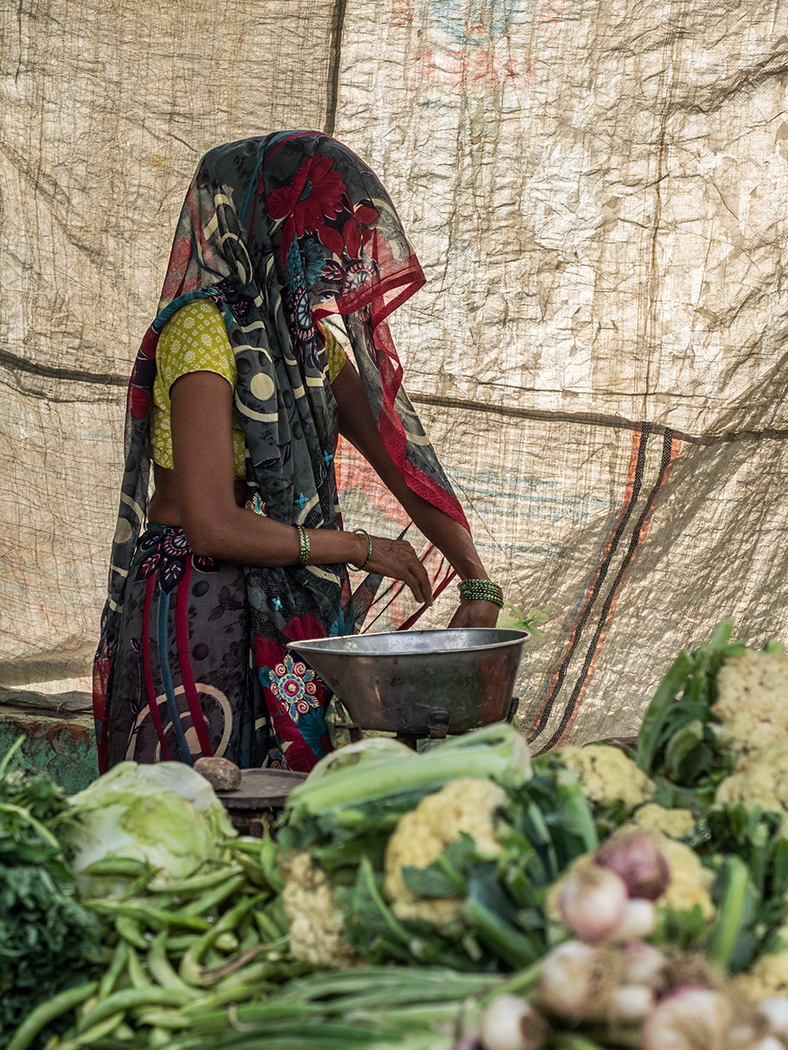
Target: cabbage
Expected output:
[164,813]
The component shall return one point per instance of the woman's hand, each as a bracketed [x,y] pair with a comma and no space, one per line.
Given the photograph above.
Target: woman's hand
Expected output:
[475,614]
[398,560]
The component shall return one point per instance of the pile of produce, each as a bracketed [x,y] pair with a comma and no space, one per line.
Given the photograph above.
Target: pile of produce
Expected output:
[459,898]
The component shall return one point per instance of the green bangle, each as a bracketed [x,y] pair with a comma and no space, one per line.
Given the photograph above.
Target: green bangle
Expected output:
[303,547]
[480,591]
[369,547]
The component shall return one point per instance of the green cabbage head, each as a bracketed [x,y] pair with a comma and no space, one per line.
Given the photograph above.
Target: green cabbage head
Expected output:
[164,813]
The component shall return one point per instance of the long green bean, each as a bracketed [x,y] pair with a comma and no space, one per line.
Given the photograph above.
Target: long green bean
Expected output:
[129,998]
[195,884]
[114,970]
[190,966]
[211,899]
[156,918]
[46,1012]
[105,1027]
[162,970]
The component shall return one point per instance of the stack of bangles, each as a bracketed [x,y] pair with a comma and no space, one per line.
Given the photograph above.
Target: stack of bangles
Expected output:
[480,591]
[304,552]
[303,547]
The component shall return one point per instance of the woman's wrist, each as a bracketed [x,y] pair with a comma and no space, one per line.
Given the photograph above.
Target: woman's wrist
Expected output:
[365,542]
[331,547]
[481,589]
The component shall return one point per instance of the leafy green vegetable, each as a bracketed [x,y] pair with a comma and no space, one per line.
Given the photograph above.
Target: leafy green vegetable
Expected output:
[680,745]
[48,941]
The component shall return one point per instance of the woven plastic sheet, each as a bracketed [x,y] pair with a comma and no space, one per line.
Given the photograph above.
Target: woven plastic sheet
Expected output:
[597,192]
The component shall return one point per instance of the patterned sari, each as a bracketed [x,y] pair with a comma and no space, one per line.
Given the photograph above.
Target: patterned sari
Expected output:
[280,232]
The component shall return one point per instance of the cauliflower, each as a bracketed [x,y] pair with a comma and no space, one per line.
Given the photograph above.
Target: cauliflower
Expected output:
[759,779]
[315,917]
[690,883]
[674,823]
[753,699]
[607,775]
[768,975]
[463,805]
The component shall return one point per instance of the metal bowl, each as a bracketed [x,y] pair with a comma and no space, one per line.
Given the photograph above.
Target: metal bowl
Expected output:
[420,683]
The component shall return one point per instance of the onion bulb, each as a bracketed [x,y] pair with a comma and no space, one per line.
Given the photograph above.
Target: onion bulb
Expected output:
[689,1019]
[643,964]
[578,980]
[635,857]
[640,919]
[593,902]
[511,1023]
[775,1010]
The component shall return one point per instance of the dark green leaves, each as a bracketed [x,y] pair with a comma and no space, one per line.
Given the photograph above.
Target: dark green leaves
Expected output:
[680,745]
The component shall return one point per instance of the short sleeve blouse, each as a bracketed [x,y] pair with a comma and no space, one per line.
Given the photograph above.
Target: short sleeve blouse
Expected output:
[195,340]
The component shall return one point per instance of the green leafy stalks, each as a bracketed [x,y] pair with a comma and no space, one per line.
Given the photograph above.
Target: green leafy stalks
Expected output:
[679,744]
[514,619]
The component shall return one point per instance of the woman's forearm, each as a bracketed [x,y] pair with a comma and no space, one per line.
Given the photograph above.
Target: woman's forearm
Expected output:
[242,536]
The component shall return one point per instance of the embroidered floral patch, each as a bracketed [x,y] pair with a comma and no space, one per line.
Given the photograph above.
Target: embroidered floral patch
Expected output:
[293,684]
[167,552]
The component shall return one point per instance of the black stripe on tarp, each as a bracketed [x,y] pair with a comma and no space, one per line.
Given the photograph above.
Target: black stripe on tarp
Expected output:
[602,570]
[626,564]
[593,419]
[70,375]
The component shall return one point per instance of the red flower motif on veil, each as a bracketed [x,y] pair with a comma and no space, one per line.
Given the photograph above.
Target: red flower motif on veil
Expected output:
[314,195]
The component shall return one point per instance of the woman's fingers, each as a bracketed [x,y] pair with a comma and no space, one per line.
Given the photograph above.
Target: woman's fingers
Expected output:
[419,583]
[398,560]
[475,614]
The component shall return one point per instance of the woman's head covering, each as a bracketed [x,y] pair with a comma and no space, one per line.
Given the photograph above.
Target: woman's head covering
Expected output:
[281,232]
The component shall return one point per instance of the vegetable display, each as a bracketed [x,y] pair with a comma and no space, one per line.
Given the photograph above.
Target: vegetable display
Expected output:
[459,898]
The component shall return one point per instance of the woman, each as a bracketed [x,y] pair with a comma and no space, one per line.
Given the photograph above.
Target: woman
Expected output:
[237,395]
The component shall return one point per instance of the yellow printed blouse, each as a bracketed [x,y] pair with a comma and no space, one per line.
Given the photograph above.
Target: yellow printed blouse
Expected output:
[195,340]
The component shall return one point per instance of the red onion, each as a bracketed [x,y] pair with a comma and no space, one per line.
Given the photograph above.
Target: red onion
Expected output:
[593,902]
[635,857]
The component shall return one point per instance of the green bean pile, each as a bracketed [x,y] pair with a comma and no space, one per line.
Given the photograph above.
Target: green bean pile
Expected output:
[180,956]
[164,987]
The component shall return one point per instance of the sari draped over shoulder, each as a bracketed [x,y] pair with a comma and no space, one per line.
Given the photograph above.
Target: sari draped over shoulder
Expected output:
[280,232]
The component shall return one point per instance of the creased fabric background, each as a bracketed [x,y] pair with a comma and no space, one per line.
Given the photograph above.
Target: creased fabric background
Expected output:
[598,193]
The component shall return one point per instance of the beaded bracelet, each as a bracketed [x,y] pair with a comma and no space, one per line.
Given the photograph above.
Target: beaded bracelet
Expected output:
[303,547]
[480,591]
[369,547]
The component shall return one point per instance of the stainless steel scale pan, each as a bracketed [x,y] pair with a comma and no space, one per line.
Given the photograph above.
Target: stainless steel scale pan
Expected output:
[421,683]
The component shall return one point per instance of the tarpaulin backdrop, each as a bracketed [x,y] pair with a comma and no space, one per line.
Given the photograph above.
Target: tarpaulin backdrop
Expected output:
[598,192]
